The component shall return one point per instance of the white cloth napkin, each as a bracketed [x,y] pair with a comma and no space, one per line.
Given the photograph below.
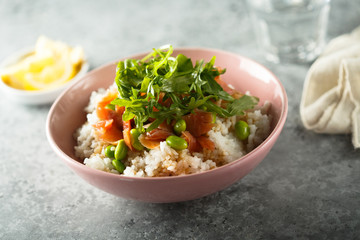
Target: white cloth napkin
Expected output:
[330,100]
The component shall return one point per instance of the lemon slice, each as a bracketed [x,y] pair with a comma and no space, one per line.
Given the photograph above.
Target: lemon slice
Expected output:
[52,64]
[49,77]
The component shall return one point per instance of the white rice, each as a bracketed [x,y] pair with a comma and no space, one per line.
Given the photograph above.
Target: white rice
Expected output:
[165,161]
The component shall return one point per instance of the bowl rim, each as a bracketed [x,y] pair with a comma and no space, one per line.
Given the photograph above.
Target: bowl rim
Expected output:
[12,58]
[273,134]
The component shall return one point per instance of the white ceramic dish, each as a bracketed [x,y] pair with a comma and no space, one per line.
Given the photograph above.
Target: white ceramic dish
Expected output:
[35,97]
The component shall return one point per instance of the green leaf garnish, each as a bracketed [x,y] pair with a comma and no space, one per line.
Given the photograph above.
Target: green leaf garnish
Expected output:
[145,85]
[238,106]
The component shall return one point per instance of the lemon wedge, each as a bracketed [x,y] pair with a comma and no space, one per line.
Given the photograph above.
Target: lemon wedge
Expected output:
[52,64]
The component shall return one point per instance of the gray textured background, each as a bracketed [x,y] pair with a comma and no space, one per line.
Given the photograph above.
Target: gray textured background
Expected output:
[306,188]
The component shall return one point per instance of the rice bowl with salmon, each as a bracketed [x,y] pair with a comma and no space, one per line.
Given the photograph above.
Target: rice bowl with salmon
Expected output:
[166,116]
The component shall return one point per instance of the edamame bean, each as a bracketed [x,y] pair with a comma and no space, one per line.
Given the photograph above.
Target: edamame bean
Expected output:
[134,135]
[176,142]
[180,126]
[242,130]
[119,166]
[120,150]
[110,151]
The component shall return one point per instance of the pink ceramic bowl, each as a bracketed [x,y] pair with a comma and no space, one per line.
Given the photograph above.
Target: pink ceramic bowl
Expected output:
[67,114]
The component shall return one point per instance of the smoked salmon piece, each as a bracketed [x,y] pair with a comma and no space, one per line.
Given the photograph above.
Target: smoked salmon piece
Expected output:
[150,144]
[158,134]
[199,122]
[193,145]
[235,94]
[225,86]
[165,126]
[108,131]
[153,138]
[109,127]
[102,112]
[127,135]
[205,142]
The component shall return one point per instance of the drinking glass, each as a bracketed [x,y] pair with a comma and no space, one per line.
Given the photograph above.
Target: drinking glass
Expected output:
[290,30]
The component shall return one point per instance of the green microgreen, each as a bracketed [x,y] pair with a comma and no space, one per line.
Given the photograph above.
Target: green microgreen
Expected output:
[145,84]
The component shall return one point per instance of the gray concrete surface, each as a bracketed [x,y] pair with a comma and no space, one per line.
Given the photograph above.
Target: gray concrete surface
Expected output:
[308,187]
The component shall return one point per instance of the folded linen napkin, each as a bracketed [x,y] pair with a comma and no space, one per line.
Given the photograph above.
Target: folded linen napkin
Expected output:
[330,100]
